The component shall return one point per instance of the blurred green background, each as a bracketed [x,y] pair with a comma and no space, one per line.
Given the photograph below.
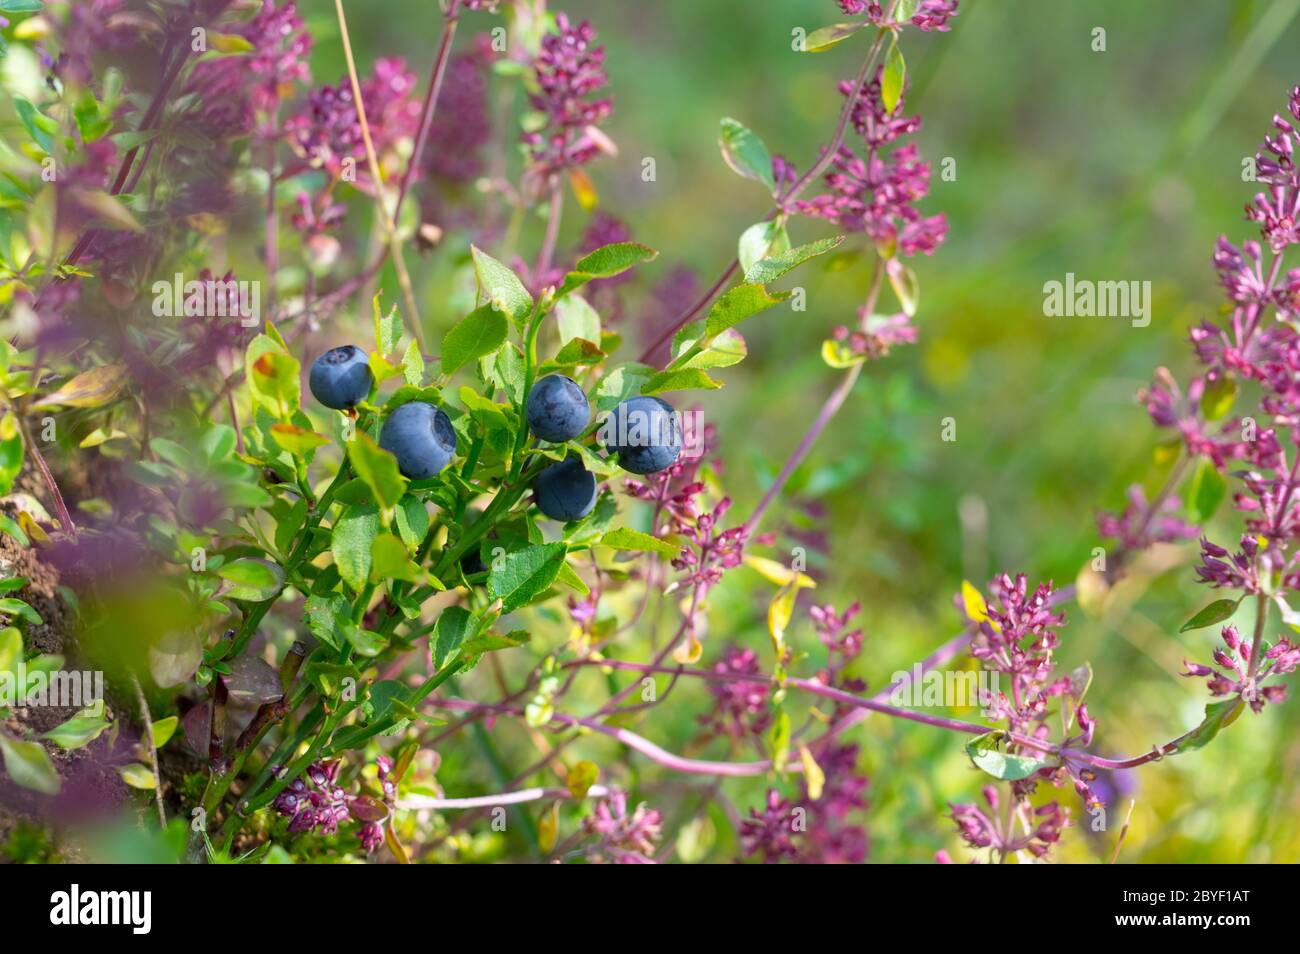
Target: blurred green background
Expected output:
[1116,165]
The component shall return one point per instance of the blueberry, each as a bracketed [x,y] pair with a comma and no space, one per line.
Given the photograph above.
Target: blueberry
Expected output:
[643,432]
[420,436]
[557,409]
[341,378]
[565,491]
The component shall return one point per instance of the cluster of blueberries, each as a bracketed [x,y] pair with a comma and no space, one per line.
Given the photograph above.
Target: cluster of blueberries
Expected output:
[642,431]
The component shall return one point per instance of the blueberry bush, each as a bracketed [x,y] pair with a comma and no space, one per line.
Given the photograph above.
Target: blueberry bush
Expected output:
[372,526]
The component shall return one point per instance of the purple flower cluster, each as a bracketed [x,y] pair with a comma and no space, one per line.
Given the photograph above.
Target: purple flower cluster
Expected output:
[320,806]
[929,14]
[1016,636]
[740,707]
[1138,526]
[568,71]
[1034,830]
[327,133]
[842,644]
[813,830]
[1266,565]
[318,803]
[622,838]
[677,495]
[876,334]
[875,194]
[233,90]
[1239,677]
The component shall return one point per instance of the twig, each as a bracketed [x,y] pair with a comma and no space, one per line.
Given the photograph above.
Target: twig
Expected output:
[153,749]
[1119,842]
[828,411]
[450,20]
[417,802]
[783,201]
[381,207]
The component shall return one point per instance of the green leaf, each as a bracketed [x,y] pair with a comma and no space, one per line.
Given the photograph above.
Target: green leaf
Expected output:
[90,389]
[745,152]
[298,441]
[19,6]
[82,729]
[162,730]
[388,329]
[390,560]
[1205,491]
[722,351]
[625,538]
[778,740]
[413,365]
[449,632]
[11,458]
[378,469]
[1218,397]
[739,303]
[580,778]
[1080,681]
[230,43]
[821,40]
[505,369]
[273,377]
[40,127]
[28,765]
[365,642]
[92,123]
[488,642]
[621,383]
[501,287]
[906,286]
[568,576]
[839,356]
[905,10]
[350,542]
[605,262]
[138,776]
[412,520]
[250,579]
[519,577]
[576,319]
[893,77]
[11,650]
[985,751]
[760,241]
[1216,612]
[685,379]
[9,525]
[1218,716]
[327,617]
[14,607]
[479,333]
[770,269]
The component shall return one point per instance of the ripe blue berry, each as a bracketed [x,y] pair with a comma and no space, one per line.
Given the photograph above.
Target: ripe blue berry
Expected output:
[420,436]
[565,491]
[341,378]
[643,432]
[557,409]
